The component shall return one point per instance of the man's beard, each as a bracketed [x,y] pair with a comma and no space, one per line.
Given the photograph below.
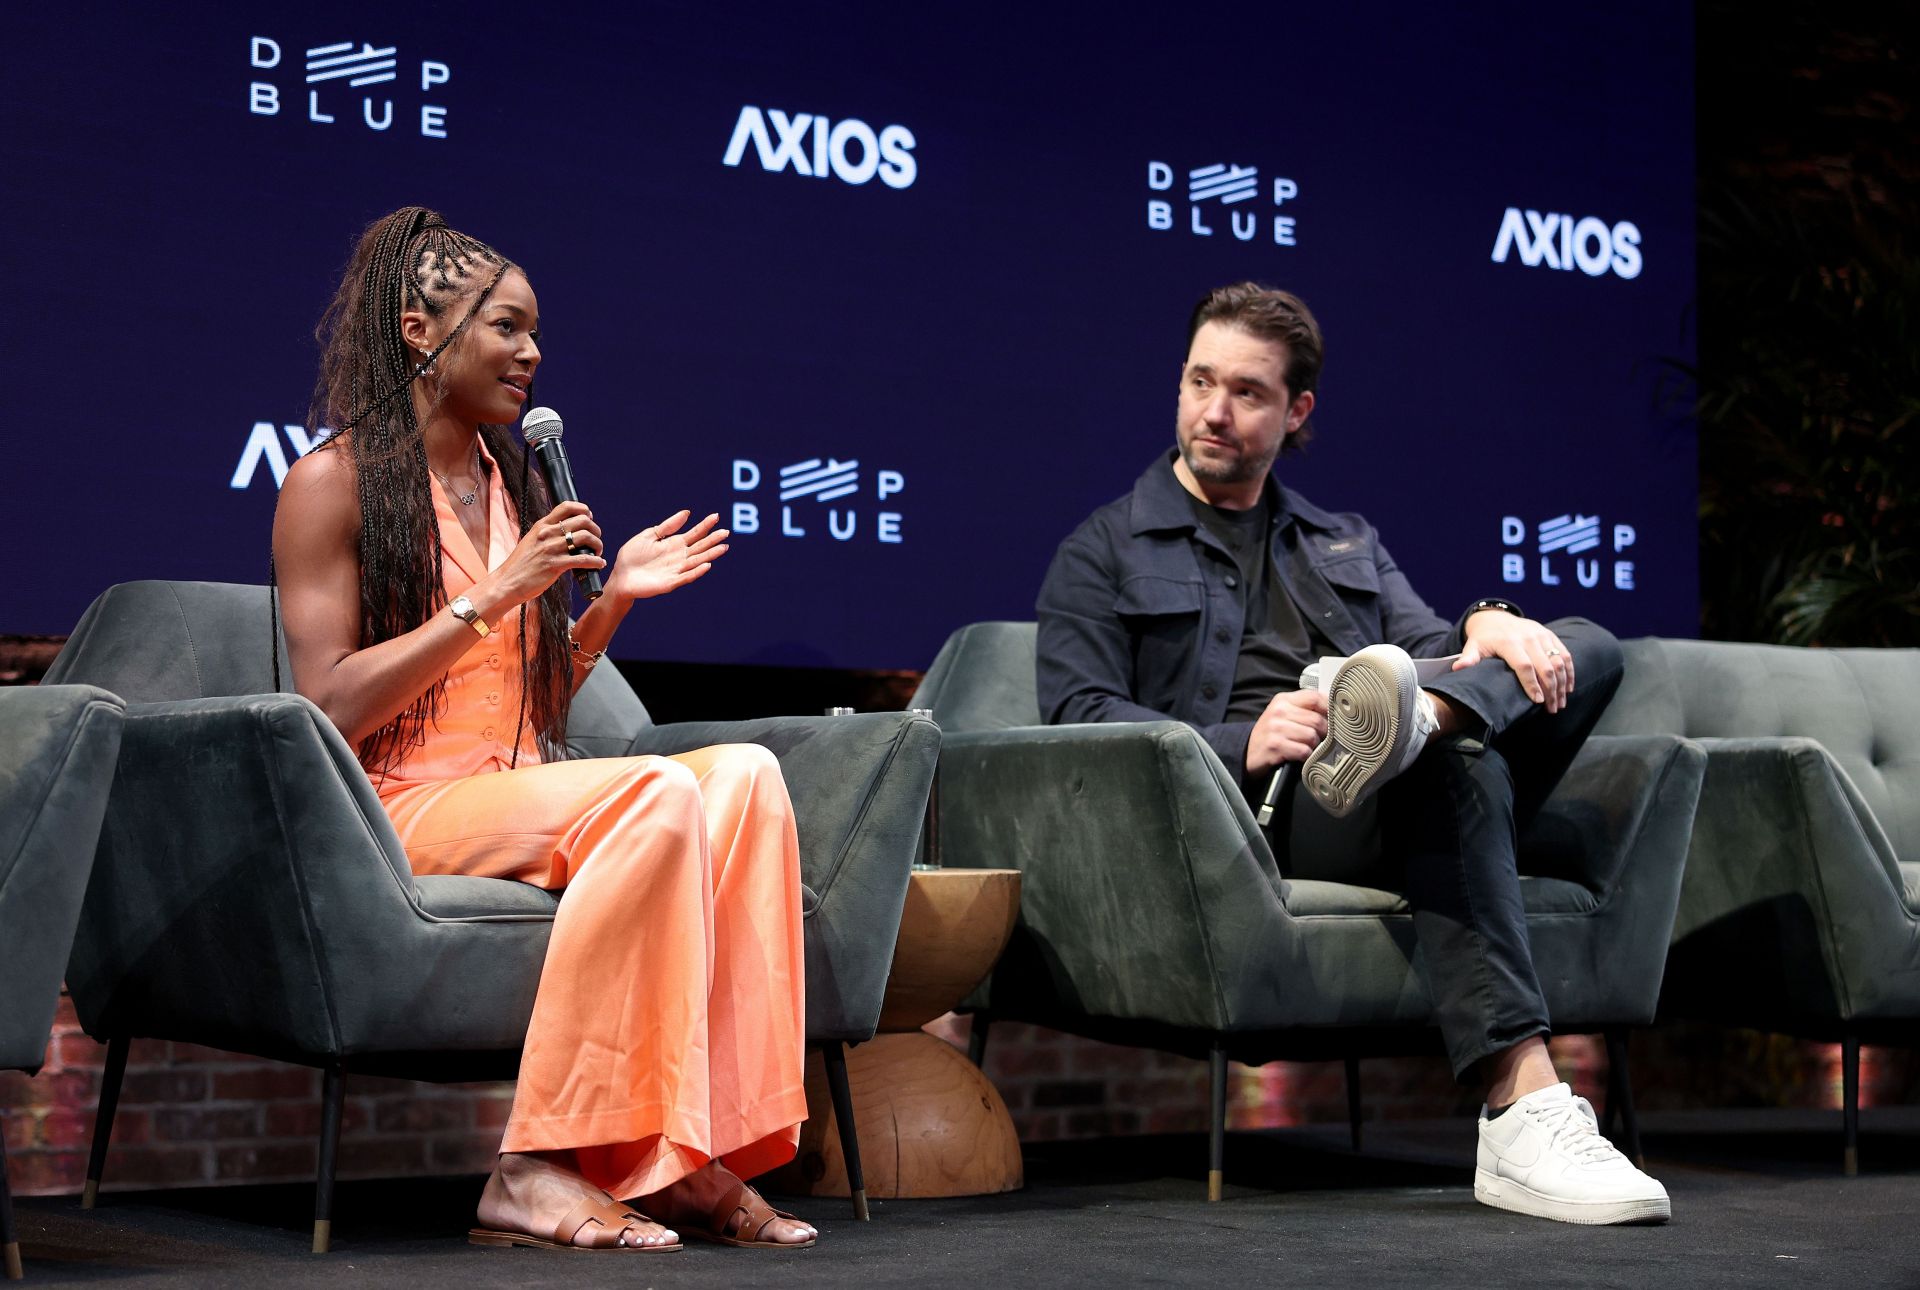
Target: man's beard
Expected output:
[1240,470]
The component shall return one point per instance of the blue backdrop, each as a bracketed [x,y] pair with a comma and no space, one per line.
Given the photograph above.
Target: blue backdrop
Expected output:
[929,270]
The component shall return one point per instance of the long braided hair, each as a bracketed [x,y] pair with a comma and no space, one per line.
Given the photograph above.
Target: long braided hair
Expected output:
[411,259]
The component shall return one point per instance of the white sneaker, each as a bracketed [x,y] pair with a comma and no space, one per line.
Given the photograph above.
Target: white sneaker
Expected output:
[1378,720]
[1545,1157]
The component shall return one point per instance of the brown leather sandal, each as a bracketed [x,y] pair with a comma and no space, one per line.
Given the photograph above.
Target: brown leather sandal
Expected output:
[740,1217]
[611,1222]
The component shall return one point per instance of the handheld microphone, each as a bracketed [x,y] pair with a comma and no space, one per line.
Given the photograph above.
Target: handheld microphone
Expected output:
[1274,790]
[541,429]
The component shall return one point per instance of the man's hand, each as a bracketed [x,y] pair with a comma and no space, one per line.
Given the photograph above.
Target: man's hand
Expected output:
[1292,727]
[1539,660]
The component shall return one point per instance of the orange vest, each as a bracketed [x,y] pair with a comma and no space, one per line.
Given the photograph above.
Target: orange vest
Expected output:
[474,734]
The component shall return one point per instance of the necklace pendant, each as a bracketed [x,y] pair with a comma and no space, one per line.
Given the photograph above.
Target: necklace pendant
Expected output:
[467,499]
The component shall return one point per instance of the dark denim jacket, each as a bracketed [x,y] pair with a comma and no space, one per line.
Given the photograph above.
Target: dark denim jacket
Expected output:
[1141,619]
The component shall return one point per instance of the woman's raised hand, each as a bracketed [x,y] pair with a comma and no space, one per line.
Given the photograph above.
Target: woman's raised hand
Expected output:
[564,539]
[662,558]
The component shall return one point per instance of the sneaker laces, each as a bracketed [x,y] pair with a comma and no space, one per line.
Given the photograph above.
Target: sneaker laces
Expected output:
[1426,714]
[1572,1127]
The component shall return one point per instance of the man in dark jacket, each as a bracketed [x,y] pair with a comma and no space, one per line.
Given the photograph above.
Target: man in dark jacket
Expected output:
[1287,636]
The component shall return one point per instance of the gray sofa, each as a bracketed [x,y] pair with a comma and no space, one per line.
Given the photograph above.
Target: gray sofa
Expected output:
[250,893]
[57,750]
[1153,912]
[1800,911]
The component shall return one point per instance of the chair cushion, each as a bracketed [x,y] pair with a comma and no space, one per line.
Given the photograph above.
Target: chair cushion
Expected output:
[452,896]
[455,896]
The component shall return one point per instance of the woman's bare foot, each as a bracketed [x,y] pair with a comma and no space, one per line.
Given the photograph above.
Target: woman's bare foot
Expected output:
[690,1203]
[531,1192]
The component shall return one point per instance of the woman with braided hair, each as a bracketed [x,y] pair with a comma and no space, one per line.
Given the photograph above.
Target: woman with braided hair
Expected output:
[423,582]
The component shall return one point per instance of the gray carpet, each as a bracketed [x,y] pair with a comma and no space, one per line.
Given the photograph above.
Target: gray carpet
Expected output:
[1758,1200]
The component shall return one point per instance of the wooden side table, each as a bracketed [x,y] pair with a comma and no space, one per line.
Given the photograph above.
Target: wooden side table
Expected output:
[929,1123]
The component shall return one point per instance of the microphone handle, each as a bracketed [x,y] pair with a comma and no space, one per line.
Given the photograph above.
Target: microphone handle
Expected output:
[1274,790]
[553,461]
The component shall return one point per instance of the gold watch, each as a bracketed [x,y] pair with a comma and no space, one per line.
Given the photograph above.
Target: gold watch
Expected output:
[462,608]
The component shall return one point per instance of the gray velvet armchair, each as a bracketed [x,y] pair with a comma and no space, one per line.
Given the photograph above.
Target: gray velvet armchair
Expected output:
[1800,913]
[1153,912]
[250,893]
[57,749]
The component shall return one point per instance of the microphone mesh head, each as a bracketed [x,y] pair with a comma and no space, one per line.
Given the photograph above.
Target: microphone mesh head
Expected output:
[540,423]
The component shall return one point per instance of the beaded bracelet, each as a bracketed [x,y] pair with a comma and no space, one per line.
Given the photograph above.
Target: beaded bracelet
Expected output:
[580,656]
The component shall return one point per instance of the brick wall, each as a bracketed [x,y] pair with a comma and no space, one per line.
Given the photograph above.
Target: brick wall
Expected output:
[1061,1086]
[194,1116]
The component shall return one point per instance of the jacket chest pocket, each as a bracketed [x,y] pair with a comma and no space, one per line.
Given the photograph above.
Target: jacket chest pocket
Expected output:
[1356,581]
[1353,576]
[1164,618]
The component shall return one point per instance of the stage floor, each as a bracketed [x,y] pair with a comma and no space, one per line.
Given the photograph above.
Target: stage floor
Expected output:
[1757,1198]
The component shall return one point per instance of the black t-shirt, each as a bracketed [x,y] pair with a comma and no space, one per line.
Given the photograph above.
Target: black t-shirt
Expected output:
[1276,644]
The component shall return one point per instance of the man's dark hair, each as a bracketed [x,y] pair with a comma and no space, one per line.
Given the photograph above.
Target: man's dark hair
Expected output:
[1270,314]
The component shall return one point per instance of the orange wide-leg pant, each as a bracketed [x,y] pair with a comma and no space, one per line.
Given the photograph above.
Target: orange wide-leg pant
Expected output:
[669,1027]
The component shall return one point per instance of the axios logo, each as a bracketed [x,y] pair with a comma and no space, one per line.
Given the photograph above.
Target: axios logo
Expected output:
[813,145]
[1561,544]
[1561,242]
[263,444]
[820,481]
[364,65]
[1229,185]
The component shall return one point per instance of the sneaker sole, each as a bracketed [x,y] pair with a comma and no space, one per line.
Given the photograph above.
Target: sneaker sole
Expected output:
[1505,1193]
[1370,703]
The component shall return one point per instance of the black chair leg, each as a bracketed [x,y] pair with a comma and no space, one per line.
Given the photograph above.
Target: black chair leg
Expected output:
[9,1239]
[1850,1094]
[333,1096]
[1611,1112]
[110,1077]
[1620,1093]
[1217,1123]
[835,1057]
[977,1037]
[1353,1100]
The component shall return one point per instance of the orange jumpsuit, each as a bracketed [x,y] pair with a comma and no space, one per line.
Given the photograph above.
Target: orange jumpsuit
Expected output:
[668,1029]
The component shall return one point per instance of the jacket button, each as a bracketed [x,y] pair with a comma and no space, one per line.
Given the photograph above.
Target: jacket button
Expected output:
[494,698]
[1220,634]
[1209,690]
[1232,581]
[487,733]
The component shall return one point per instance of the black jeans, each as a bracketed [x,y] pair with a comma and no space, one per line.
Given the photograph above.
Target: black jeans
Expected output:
[1443,832]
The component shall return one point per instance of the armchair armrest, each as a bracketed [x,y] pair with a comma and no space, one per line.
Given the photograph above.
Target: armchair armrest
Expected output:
[250,893]
[859,786]
[1147,890]
[1617,825]
[858,783]
[1789,869]
[57,750]
[1627,801]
